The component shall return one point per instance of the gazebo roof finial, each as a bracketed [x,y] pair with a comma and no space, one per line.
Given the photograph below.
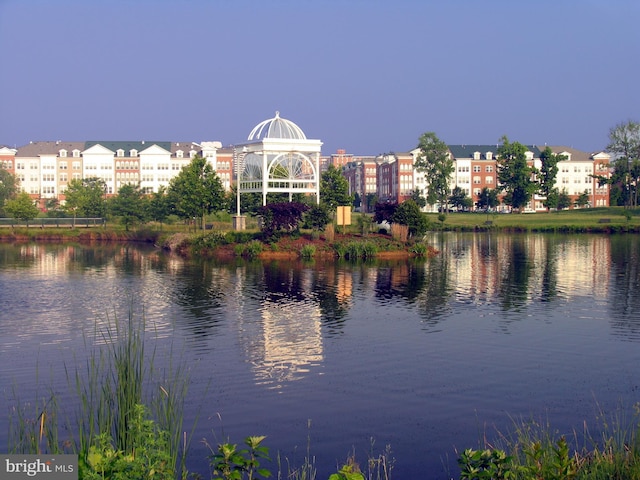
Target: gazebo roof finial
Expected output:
[277,127]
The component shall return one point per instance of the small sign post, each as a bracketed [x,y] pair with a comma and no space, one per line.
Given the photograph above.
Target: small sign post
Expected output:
[344,216]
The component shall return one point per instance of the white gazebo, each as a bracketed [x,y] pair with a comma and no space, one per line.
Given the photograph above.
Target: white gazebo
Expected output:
[277,158]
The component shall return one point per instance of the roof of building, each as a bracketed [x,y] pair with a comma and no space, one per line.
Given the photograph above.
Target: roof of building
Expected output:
[467,151]
[127,146]
[35,149]
[575,154]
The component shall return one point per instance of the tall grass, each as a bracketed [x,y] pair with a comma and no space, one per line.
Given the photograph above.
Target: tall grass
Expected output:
[113,385]
[533,450]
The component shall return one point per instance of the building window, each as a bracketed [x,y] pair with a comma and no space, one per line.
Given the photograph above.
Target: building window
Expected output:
[62,153]
[488,168]
[76,153]
[133,152]
[476,168]
[63,165]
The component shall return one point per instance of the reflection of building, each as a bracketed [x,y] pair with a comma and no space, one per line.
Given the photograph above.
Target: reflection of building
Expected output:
[281,331]
[480,264]
[291,342]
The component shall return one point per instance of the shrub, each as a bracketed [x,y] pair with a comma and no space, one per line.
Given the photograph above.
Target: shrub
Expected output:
[308,251]
[208,241]
[253,249]
[238,237]
[355,250]
[420,249]
[277,217]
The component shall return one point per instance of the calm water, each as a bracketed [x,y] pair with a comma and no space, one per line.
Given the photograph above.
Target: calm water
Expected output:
[424,356]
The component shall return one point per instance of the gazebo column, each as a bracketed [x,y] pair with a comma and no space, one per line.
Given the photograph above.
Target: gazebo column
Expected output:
[316,166]
[265,177]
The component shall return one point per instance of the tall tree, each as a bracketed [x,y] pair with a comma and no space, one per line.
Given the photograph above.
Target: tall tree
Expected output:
[549,170]
[564,200]
[624,145]
[130,205]
[334,189]
[197,190]
[582,200]
[515,175]
[459,199]
[22,207]
[488,198]
[160,206]
[85,198]
[436,163]
[8,186]
[417,197]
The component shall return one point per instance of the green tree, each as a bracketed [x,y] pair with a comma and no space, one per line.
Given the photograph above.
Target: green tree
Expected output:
[159,206]
[624,145]
[85,198]
[334,189]
[549,171]
[552,199]
[357,200]
[371,199]
[459,200]
[317,217]
[488,199]
[418,198]
[8,186]
[515,175]
[130,205]
[582,200]
[408,213]
[564,200]
[21,207]
[197,190]
[436,163]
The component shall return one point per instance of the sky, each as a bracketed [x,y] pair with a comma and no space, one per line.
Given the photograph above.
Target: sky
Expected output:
[367,76]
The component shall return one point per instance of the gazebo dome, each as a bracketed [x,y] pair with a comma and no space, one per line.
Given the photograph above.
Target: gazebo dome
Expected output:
[276,127]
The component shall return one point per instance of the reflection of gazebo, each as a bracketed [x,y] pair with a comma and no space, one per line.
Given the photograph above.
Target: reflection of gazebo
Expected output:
[277,158]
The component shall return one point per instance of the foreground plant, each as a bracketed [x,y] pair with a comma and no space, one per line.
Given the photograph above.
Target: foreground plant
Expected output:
[229,463]
[150,456]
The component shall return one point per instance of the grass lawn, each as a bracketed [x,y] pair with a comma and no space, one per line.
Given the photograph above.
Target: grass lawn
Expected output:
[595,219]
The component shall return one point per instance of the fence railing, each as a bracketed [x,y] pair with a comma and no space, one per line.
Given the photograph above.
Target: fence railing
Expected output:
[53,222]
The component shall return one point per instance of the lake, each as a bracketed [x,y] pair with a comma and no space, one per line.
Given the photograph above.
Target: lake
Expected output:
[426,356]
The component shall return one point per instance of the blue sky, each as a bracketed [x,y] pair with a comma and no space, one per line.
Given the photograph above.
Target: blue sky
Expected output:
[367,76]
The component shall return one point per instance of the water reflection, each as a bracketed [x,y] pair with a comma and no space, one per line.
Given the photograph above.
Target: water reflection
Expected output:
[625,274]
[493,323]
